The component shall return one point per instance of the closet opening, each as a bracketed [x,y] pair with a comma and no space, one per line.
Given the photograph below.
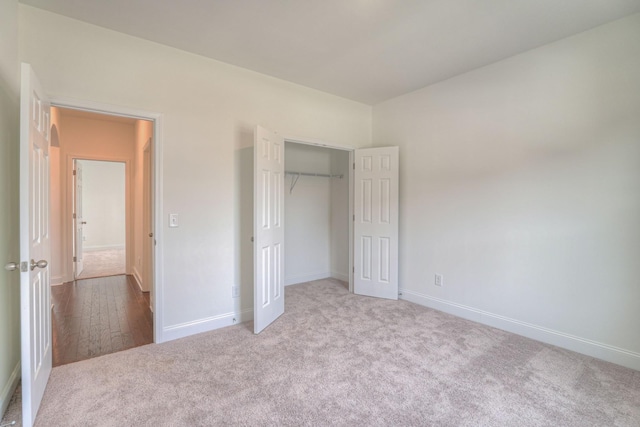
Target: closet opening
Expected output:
[316,213]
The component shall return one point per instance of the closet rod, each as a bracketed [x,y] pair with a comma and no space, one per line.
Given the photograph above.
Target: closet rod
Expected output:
[296,175]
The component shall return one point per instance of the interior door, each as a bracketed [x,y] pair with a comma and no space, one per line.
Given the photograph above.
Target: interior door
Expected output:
[375,245]
[78,218]
[268,214]
[35,301]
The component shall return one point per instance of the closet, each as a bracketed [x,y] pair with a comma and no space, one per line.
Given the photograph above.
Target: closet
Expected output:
[310,222]
[316,213]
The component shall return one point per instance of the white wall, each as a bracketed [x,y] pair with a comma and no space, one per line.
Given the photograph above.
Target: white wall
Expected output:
[209,113]
[103,205]
[307,216]
[9,222]
[340,215]
[520,183]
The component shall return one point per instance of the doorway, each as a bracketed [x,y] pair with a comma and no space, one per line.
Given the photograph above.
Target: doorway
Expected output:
[100,218]
[373,223]
[100,169]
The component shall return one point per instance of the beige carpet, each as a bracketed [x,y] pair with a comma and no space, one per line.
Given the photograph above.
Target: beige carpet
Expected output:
[110,262]
[335,358]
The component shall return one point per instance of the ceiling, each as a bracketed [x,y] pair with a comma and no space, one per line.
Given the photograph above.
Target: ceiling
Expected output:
[364,50]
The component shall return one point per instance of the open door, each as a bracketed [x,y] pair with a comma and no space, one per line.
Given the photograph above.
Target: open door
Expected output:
[375,240]
[268,214]
[35,291]
[78,220]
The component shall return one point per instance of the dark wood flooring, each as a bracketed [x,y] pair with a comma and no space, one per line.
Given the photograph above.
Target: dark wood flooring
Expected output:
[93,317]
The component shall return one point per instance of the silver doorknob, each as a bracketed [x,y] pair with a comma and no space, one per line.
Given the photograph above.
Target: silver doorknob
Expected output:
[12,266]
[40,264]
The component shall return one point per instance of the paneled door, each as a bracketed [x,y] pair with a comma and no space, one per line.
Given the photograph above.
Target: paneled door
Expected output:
[375,242]
[78,218]
[35,301]
[268,248]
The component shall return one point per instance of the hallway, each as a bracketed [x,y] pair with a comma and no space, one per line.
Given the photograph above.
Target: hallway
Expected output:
[93,317]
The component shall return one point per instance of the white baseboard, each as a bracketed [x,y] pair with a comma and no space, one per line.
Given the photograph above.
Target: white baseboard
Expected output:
[57,280]
[101,247]
[138,279]
[340,276]
[204,325]
[585,346]
[293,280]
[9,388]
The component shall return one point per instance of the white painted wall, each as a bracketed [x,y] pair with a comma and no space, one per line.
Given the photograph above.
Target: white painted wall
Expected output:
[9,222]
[307,215]
[103,205]
[340,215]
[209,112]
[316,214]
[520,183]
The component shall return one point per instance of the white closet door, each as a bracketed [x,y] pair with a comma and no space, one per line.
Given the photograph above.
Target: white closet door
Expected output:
[268,215]
[375,243]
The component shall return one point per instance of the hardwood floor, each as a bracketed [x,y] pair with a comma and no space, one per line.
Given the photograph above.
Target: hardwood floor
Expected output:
[93,317]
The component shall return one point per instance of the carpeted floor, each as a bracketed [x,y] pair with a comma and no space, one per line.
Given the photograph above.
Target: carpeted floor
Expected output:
[335,358]
[109,262]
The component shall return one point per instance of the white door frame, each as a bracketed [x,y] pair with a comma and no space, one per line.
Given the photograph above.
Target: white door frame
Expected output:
[334,146]
[156,191]
[128,203]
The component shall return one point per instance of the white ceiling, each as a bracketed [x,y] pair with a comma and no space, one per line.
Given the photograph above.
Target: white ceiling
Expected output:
[365,50]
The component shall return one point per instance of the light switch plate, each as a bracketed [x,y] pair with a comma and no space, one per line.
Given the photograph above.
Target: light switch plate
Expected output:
[173,220]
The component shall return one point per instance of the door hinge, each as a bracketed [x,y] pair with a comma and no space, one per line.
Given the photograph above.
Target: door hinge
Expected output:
[74,172]
[354,217]
[354,166]
[354,269]
[75,259]
[74,216]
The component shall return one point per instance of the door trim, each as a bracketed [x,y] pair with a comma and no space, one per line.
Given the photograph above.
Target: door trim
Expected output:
[69,268]
[156,191]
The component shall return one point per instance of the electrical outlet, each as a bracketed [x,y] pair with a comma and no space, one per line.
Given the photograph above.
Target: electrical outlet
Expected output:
[439,280]
[235,291]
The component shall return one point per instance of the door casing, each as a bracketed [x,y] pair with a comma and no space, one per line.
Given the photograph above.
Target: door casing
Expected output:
[156,191]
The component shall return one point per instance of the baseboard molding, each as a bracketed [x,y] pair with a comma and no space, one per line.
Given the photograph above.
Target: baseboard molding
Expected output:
[585,346]
[340,276]
[57,280]
[9,388]
[205,325]
[138,279]
[293,280]
[102,247]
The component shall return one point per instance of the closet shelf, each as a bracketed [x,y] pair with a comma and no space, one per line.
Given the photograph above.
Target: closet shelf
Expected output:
[296,175]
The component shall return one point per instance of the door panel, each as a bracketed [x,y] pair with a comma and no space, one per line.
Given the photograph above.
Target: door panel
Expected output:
[35,291]
[376,178]
[78,220]
[268,299]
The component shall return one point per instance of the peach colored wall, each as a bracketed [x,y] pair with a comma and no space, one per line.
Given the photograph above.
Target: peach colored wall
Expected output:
[56,204]
[87,138]
[143,131]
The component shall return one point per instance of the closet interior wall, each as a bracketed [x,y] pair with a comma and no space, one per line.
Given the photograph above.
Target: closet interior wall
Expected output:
[316,214]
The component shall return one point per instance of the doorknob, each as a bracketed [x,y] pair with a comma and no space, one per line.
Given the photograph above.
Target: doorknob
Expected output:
[40,264]
[12,266]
